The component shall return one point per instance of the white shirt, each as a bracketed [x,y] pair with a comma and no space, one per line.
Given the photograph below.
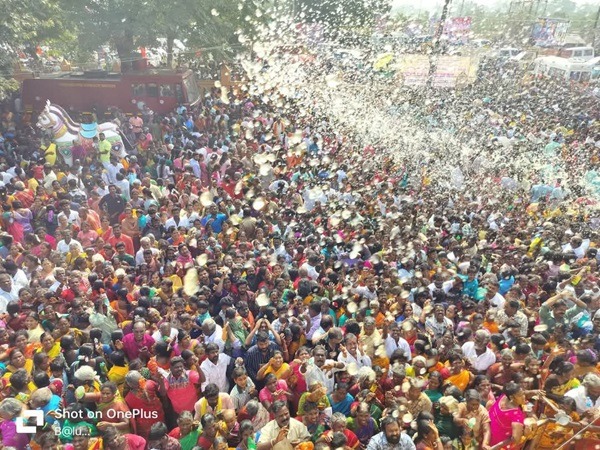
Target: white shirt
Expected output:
[183,222]
[216,373]
[314,373]
[360,360]
[195,167]
[112,171]
[311,271]
[216,338]
[391,345]
[157,335]
[297,432]
[481,362]
[48,179]
[72,218]
[139,256]
[497,301]
[582,400]
[123,186]
[6,298]
[19,281]
[63,247]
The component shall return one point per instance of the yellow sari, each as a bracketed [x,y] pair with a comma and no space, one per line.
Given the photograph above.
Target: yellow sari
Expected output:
[460,380]
[116,374]
[53,353]
[285,367]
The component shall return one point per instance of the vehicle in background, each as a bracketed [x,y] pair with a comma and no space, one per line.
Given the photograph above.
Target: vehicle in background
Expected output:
[566,69]
[507,52]
[160,90]
[577,53]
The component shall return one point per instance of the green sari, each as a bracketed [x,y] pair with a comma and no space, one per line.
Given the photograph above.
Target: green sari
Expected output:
[190,440]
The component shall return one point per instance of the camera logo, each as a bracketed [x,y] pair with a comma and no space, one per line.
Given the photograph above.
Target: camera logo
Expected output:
[27,414]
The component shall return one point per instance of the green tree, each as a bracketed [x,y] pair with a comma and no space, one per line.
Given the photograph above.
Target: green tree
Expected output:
[26,25]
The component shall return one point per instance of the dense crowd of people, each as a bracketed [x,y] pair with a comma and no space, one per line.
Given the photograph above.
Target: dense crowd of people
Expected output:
[247,278]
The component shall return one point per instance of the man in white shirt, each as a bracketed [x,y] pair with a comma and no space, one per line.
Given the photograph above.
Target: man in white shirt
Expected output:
[49,177]
[586,396]
[18,277]
[145,244]
[214,368]
[478,353]
[213,334]
[72,216]
[351,354]
[177,220]
[310,267]
[8,292]
[166,332]
[195,163]
[319,369]
[394,341]
[492,295]
[112,169]
[63,245]
[282,427]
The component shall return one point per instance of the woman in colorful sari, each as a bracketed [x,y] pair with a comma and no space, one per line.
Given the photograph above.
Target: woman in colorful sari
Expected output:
[187,431]
[273,391]
[119,369]
[16,361]
[341,401]
[49,346]
[457,374]
[507,418]
[561,379]
[10,410]
[310,418]
[472,416]
[108,399]
[142,396]
[363,425]
[276,366]
[185,342]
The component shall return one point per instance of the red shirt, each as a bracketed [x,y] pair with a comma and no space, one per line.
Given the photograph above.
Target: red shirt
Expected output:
[112,240]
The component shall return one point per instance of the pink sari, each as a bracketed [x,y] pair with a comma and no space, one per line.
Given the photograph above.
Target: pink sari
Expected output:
[501,423]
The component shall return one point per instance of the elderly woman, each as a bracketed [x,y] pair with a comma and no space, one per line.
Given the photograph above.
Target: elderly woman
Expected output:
[46,401]
[416,400]
[113,409]
[10,409]
[187,432]
[472,415]
[143,397]
[587,396]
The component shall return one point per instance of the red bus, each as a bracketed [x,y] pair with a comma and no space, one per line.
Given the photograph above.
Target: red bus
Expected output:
[160,90]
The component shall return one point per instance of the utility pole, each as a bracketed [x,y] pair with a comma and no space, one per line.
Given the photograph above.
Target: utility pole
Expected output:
[595,30]
[435,51]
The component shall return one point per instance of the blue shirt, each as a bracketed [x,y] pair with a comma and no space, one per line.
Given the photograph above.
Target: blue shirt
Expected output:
[217,221]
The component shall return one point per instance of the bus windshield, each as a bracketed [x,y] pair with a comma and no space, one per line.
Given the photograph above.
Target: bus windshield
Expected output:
[191,89]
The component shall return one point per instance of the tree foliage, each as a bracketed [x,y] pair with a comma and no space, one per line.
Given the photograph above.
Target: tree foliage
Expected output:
[26,24]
